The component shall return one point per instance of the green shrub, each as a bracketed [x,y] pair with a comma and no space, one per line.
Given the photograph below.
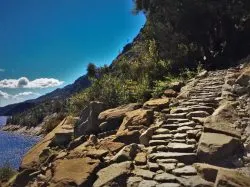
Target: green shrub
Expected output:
[52,123]
[6,172]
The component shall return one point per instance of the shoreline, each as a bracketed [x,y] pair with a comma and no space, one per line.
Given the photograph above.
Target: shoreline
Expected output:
[24,131]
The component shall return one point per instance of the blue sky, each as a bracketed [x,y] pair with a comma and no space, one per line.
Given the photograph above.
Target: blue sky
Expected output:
[45,44]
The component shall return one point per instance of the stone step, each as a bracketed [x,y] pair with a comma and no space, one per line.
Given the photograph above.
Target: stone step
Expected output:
[158,142]
[162,136]
[174,120]
[184,129]
[167,167]
[168,185]
[187,158]
[199,114]
[186,170]
[170,126]
[180,147]
[180,110]
[204,100]
[207,109]
[189,124]
[178,141]
[166,177]
[180,136]
[162,131]
[176,115]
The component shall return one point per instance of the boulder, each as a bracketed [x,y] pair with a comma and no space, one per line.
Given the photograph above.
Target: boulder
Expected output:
[63,136]
[157,104]
[176,86]
[232,179]
[111,146]
[114,174]
[222,120]
[215,148]
[89,122]
[128,137]
[135,119]
[111,119]
[128,153]
[79,171]
[31,159]
[170,93]
[146,136]
[244,78]
[222,176]
[23,178]
[202,74]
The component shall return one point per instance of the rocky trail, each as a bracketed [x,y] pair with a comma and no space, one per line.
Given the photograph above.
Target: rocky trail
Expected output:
[173,146]
[199,138]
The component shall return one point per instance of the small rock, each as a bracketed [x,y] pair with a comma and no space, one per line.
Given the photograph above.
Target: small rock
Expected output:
[180,136]
[127,153]
[144,173]
[147,183]
[153,166]
[167,166]
[141,158]
[165,177]
[133,181]
[168,184]
[180,165]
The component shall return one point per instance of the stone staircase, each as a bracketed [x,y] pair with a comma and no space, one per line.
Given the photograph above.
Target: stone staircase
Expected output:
[173,146]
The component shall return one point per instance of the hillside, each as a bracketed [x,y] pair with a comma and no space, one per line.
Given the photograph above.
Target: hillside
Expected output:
[199,138]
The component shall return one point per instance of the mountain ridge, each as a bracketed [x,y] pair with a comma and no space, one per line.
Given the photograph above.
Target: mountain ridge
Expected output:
[60,93]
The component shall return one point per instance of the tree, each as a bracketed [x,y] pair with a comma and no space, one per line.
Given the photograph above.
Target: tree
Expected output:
[92,70]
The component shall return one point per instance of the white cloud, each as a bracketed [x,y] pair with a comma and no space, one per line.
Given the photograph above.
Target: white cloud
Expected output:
[24,82]
[2,70]
[26,94]
[20,95]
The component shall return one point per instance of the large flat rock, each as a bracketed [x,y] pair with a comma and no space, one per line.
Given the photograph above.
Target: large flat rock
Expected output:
[31,158]
[115,173]
[157,104]
[214,147]
[222,121]
[80,171]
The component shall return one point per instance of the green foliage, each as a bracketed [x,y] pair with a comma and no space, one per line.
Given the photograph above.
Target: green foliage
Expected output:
[53,122]
[111,90]
[91,70]
[6,172]
[35,116]
[161,85]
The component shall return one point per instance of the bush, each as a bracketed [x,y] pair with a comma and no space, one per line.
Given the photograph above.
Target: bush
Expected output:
[6,172]
[53,123]
[111,90]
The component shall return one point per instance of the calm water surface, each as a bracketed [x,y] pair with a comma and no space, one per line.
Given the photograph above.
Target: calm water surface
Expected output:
[13,147]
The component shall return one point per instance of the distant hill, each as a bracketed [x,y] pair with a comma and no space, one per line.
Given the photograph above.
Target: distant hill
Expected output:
[58,94]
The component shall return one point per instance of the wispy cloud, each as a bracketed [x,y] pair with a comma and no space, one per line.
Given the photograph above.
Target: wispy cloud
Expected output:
[2,70]
[23,94]
[5,95]
[24,82]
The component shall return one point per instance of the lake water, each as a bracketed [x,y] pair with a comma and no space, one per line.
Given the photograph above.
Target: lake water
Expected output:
[13,147]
